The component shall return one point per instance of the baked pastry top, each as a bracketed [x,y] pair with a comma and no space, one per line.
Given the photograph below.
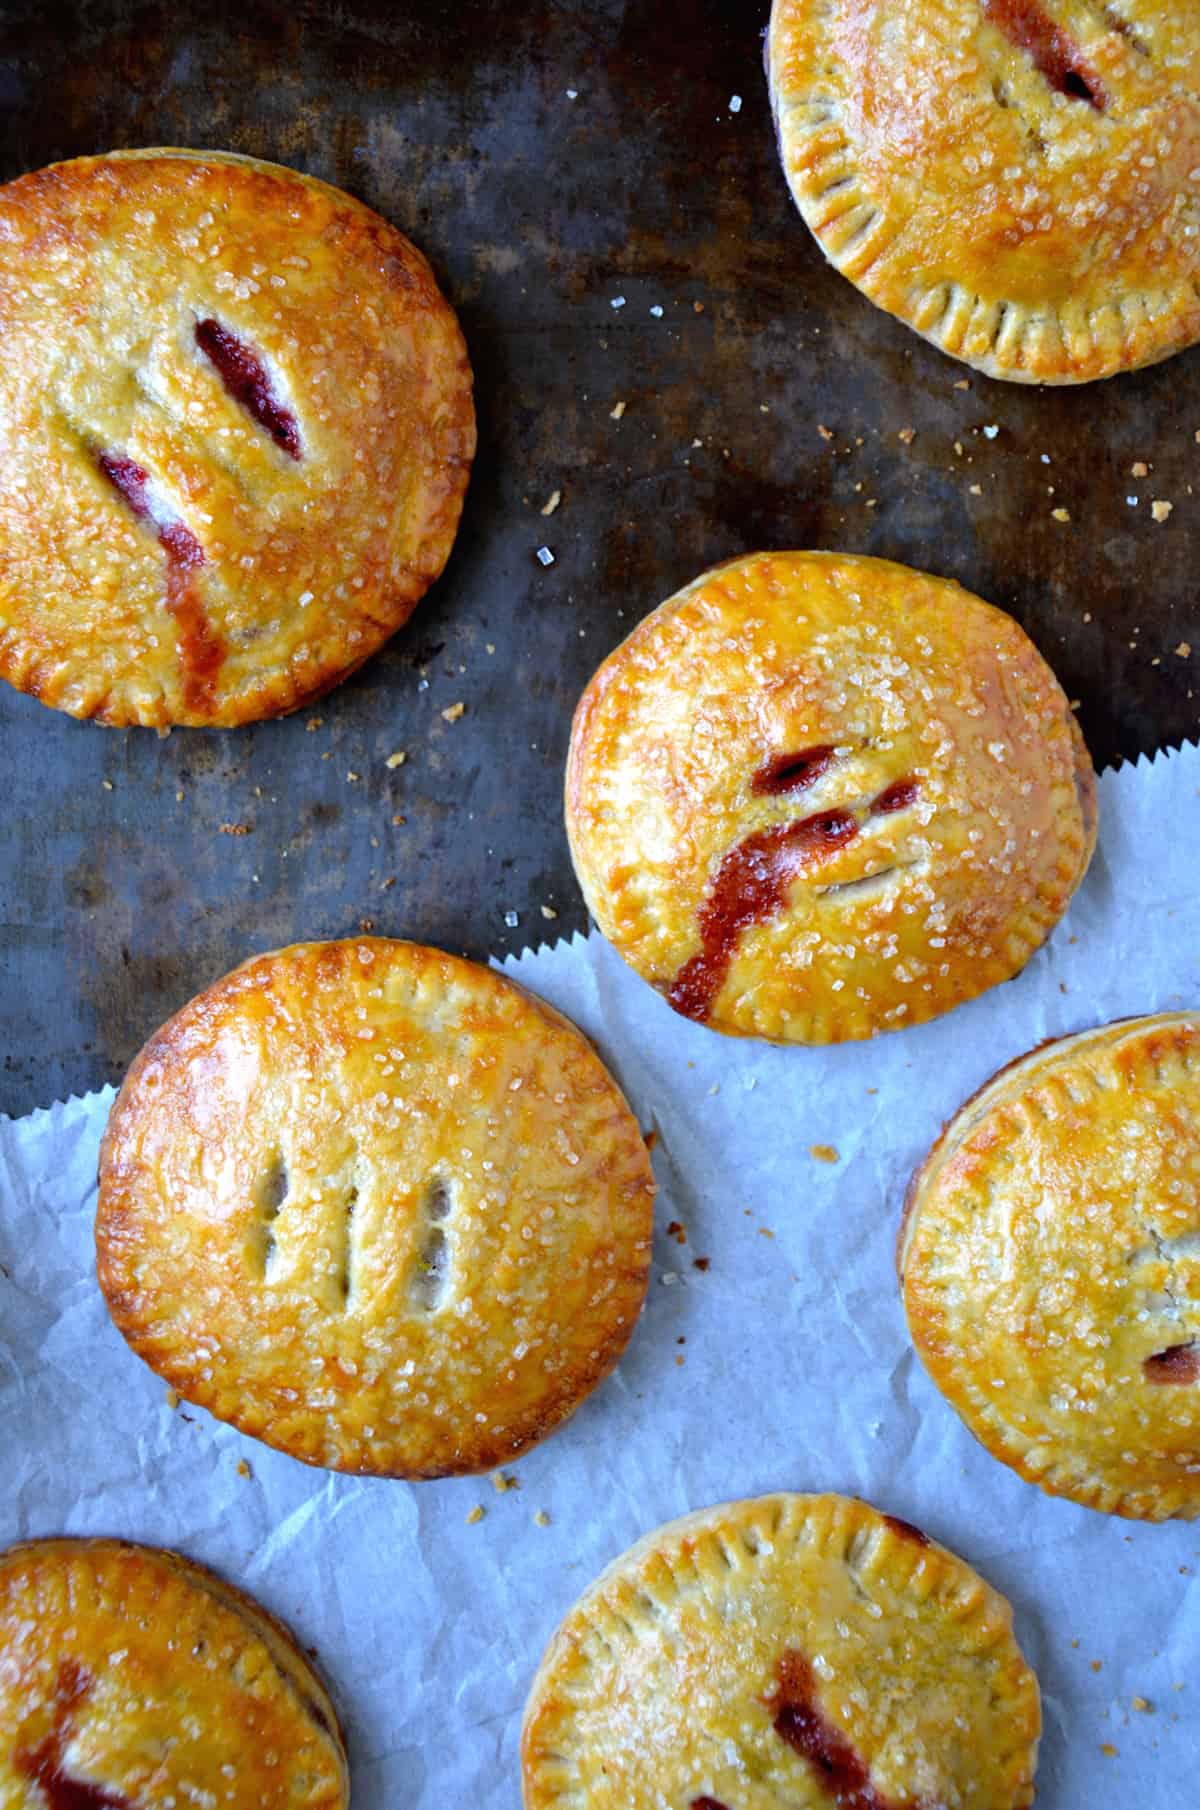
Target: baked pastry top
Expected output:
[235,433]
[131,1677]
[816,796]
[1019,180]
[1050,1261]
[377,1206]
[798,1650]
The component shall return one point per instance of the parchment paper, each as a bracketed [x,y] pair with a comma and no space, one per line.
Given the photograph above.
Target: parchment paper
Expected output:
[784,1365]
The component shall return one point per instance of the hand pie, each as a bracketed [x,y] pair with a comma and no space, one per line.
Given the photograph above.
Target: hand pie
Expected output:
[131,1677]
[376,1206]
[1050,1261]
[235,432]
[798,1650]
[1016,179]
[815,796]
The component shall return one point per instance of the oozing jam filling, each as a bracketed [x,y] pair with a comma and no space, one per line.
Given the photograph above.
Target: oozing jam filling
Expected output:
[1178,1364]
[785,773]
[1057,57]
[753,879]
[201,650]
[800,1722]
[752,886]
[245,377]
[43,1765]
[708,1803]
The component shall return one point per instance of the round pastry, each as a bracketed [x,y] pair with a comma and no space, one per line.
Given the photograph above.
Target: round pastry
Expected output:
[376,1206]
[815,796]
[131,1677]
[1050,1261]
[1018,180]
[805,1651]
[235,432]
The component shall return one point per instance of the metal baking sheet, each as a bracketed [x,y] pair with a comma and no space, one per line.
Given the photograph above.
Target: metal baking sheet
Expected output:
[552,160]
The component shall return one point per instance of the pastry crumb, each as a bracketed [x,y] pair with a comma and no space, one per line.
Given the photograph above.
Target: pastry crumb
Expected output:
[541,1519]
[314,722]
[826,433]
[548,911]
[1108,1750]
[353,777]
[453,711]
[233,829]
[615,413]
[1097,1664]
[476,1514]
[1143,1706]
[824,1153]
[552,502]
[1161,510]
[677,1232]
[1183,650]
[399,821]
[907,434]
[107,784]
[1139,469]
[976,489]
[244,1469]
[395,760]
[963,384]
[702,1264]
[179,798]
[1061,515]
[502,1482]
[172,1399]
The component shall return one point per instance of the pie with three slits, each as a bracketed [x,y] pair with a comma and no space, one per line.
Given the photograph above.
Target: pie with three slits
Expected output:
[133,1679]
[1051,1266]
[815,796]
[788,1653]
[377,1206]
[235,432]
[1019,180]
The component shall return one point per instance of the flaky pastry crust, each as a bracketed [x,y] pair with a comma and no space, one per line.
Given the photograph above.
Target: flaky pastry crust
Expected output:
[377,1206]
[1018,180]
[131,1676]
[798,1651]
[1050,1261]
[236,429]
[816,796]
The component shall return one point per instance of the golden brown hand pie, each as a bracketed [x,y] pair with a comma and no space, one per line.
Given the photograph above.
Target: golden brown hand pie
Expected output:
[815,796]
[1051,1266]
[1019,180]
[377,1206]
[798,1651]
[132,1678]
[235,432]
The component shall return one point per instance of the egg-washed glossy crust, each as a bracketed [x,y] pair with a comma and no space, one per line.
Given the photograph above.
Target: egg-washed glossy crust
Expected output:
[1018,180]
[1050,1259]
[793,1650]
[236,429]
[131,1676]
[816,796]
[377,1206]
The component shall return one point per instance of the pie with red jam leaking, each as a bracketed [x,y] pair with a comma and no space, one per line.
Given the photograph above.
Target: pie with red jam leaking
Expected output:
[1050,1260]
[815,796]
[1018,180]
[792,1650]
[236,429]
[376,1206]
[132,1678]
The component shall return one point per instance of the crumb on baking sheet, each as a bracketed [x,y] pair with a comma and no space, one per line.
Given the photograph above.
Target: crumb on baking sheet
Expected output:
[907,434]
[244,1469]
[552,502]
[541,1519]
[826,433]
[107,784]
[502,1482]
[1108,1750]
[399,822]
[1143,1705]
[1139,469]
[702,1263]
[976,489]
[234,829]
[314,722]
[353,777]
[824,1153]
[548,911]
[677,1232]
[452,712]
[1160,509]
[1183,650]
[476,1514]
[1061,515]
[172,1400]
[618,409]
[395,760]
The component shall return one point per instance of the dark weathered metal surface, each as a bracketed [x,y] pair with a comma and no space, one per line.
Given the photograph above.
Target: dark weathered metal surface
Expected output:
[538,211]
